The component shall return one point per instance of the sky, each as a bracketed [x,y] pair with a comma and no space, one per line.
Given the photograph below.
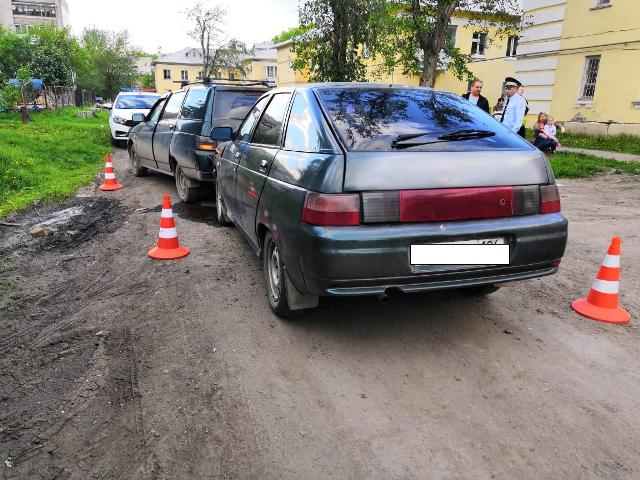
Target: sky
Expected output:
[154,24]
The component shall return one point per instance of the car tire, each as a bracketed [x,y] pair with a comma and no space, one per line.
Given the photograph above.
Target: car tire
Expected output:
[186,193]
[275,278]
[138,169]
[480,290]
[221,209]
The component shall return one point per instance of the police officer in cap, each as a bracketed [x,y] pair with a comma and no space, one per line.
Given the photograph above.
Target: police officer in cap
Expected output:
[516,107]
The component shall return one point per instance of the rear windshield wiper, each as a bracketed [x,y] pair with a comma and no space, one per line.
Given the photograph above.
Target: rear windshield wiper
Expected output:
[403,141]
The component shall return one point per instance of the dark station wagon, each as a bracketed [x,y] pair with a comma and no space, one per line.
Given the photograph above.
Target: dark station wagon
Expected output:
[364,189]
[173,138]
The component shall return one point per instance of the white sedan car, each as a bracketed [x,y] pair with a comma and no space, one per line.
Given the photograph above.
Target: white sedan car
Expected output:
[125,105]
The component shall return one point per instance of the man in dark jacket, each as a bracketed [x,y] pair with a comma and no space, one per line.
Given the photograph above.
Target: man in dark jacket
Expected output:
[474,96]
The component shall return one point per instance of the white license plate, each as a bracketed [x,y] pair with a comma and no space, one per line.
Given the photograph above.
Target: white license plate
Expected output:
[481,251]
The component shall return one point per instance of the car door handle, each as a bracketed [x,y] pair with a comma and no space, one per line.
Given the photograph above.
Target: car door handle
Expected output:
[172,127]
[263,165]
[237,155]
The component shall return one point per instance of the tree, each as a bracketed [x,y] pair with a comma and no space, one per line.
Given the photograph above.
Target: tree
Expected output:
[107,62]
[217,53]
[147,80]
[50,54]
[290,33]
[416,35]
[332,49]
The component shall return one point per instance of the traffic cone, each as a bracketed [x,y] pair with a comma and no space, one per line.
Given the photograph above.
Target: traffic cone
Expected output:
[110,182]
[168,245]
[602,302]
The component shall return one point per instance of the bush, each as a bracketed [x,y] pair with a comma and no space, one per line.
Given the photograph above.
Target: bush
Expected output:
[9,98]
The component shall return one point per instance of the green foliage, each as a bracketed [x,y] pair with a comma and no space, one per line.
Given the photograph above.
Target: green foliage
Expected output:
[49,157]
[414,34]
[49,54]
[106,62]
[576,165]
[9,98]
[614,143]
[290,33]
[332,49]
[147,80]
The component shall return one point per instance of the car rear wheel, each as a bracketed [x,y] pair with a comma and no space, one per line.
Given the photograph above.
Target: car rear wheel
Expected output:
[221,210]
[138,169]
[275,278]
[186,193]
[480,290]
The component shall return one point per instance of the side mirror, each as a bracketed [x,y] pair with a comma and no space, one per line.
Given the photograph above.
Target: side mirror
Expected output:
[138,117]
[221,134]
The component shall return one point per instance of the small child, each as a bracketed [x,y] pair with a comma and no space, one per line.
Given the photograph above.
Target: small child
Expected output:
[551,130]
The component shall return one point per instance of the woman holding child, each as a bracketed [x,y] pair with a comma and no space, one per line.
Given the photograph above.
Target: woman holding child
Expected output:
[544,133]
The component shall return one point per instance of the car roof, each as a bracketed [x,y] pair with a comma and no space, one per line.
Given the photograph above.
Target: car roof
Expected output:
[147,94]
[355,85]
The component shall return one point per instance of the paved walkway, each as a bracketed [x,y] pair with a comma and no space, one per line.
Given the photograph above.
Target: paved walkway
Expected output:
[622,157]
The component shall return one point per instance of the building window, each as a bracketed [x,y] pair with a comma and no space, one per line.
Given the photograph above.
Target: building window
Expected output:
[200,75]
[603,3]
[478,43]
[588,90]
[34,10]
[184,75]
[232,76]
[272,72]
[167,74]
[512,46]
[452,30]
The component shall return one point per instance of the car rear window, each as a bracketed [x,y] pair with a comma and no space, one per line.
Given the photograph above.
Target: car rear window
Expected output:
[136,101]
[230,107]
[371,119]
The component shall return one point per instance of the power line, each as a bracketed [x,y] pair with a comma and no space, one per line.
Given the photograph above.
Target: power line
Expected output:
[603,33]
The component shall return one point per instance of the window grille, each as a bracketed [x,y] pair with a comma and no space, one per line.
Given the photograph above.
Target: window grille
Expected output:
[588,89]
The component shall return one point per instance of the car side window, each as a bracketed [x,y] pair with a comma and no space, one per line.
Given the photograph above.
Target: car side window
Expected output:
[306,131]
[174,103]
[155,114]
[195,104]
[244,134]
[269,127]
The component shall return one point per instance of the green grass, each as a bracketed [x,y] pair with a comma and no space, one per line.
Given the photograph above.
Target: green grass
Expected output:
[49,158]
[617,143]
[576,165]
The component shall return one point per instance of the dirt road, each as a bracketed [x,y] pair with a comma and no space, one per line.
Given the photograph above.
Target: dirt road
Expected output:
[116,366]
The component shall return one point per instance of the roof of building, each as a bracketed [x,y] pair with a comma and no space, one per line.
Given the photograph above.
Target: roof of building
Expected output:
[186,56]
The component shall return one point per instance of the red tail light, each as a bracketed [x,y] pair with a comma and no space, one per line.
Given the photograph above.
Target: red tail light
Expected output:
[455,204]
[331,209]
[549,199]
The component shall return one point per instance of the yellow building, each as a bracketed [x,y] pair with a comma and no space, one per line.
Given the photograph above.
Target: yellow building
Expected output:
[493,60]
[185,65]
[263,66]
[580,60]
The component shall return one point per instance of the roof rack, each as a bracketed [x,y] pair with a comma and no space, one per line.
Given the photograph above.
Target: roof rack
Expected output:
[218,81]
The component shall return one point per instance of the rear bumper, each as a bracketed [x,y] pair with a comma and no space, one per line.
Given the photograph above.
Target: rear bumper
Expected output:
[367,260]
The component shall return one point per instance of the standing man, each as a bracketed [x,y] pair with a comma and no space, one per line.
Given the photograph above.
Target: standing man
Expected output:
[474,96]
[516,107]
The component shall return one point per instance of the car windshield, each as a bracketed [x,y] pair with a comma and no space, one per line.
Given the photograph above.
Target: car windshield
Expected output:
[141,102]
[386,119]
[230,107]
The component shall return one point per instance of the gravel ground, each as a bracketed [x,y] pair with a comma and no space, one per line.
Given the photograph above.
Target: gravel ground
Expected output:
[116,366]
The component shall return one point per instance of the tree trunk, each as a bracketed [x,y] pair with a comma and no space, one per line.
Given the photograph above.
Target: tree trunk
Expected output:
[23,110]
[432,42]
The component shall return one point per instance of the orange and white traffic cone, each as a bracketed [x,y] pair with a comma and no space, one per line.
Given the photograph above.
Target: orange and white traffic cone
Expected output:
[110,182]
[602,302]
[168,247]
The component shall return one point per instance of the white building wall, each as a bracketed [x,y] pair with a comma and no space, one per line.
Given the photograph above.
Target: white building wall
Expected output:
[537,51]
